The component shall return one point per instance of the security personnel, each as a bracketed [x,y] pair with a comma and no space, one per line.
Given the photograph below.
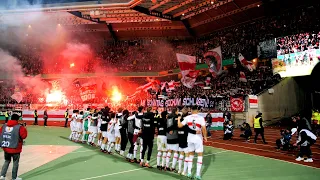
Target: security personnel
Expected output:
[316,117]
[6,115]
[11,138]
[35,114]
[258,127]
[66,116]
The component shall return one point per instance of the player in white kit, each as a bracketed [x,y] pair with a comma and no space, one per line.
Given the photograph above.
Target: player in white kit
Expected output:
[79,126]
[73,127]
[111,134]
[117,130]
[100,138]
[195,141]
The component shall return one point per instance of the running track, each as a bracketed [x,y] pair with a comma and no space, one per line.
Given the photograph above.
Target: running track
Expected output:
[266,150]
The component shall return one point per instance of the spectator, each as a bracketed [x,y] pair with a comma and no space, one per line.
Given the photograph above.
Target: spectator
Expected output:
[208,123]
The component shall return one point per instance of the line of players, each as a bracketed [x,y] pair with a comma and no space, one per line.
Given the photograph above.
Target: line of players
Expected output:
[178,135]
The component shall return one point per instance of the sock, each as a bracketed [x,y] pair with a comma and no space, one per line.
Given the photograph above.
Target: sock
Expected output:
[141,148]
[135,151]
[121,153]
[90,138]
[110,147]
[83,134]
[80,137]
[118,147]
[199,165]
[99,142]
[141,160]
[130,156]
[190,163]
[158,158]
[174,160]
[168,159]
[185,165]
[103,146]
[164,156]
[147,161]
[180,162]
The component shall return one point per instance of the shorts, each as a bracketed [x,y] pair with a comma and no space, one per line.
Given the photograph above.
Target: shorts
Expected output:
[117,133]
[93,129]
[135,137]
[185,150]
[195,147]
[173,147]
[162,143]
[111,137]
[79,127]
[104,134]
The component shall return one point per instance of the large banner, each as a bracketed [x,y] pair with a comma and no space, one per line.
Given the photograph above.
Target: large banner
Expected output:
[267,49]
[88,93]
[214,104]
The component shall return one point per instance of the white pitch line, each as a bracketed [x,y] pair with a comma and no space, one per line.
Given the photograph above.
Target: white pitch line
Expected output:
[122,172]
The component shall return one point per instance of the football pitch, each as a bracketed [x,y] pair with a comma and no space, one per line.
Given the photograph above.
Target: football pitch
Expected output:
[48,154]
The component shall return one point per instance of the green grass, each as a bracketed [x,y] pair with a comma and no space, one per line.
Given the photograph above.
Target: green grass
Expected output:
[88,162]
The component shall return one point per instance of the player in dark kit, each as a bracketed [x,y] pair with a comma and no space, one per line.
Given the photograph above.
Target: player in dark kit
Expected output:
[123,125]
[104,127]
[147,134]
[162,140]
[130,129]
[172,139]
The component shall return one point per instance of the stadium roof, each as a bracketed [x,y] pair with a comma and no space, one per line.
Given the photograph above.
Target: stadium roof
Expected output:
[124,19]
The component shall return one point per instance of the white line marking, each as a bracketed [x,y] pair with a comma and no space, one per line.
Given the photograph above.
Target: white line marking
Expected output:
[122,172]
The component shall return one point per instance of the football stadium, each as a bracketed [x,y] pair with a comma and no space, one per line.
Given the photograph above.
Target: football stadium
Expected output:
[159,89]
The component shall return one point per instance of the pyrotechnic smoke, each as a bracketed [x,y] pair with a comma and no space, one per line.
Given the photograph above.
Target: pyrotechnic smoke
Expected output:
[12,70]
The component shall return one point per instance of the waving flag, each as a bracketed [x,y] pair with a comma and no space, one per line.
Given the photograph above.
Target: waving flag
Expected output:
[213,59]
[247,64]
[242,77]
[187,66]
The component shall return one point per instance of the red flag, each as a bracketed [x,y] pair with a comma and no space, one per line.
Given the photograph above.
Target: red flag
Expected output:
[236,104]
[187,66]
[242,77]
[247,64]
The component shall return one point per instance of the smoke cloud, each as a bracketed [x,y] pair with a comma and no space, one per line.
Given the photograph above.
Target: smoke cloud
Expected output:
[11,69]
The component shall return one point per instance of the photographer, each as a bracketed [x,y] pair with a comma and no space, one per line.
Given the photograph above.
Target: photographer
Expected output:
[285,140]
[12,136]
[247,133]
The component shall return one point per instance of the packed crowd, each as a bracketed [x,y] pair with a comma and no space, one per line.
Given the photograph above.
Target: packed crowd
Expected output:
[158,55]
[298,43]
[226,86]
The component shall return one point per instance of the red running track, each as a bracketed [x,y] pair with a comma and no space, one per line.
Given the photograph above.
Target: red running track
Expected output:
[260,149]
